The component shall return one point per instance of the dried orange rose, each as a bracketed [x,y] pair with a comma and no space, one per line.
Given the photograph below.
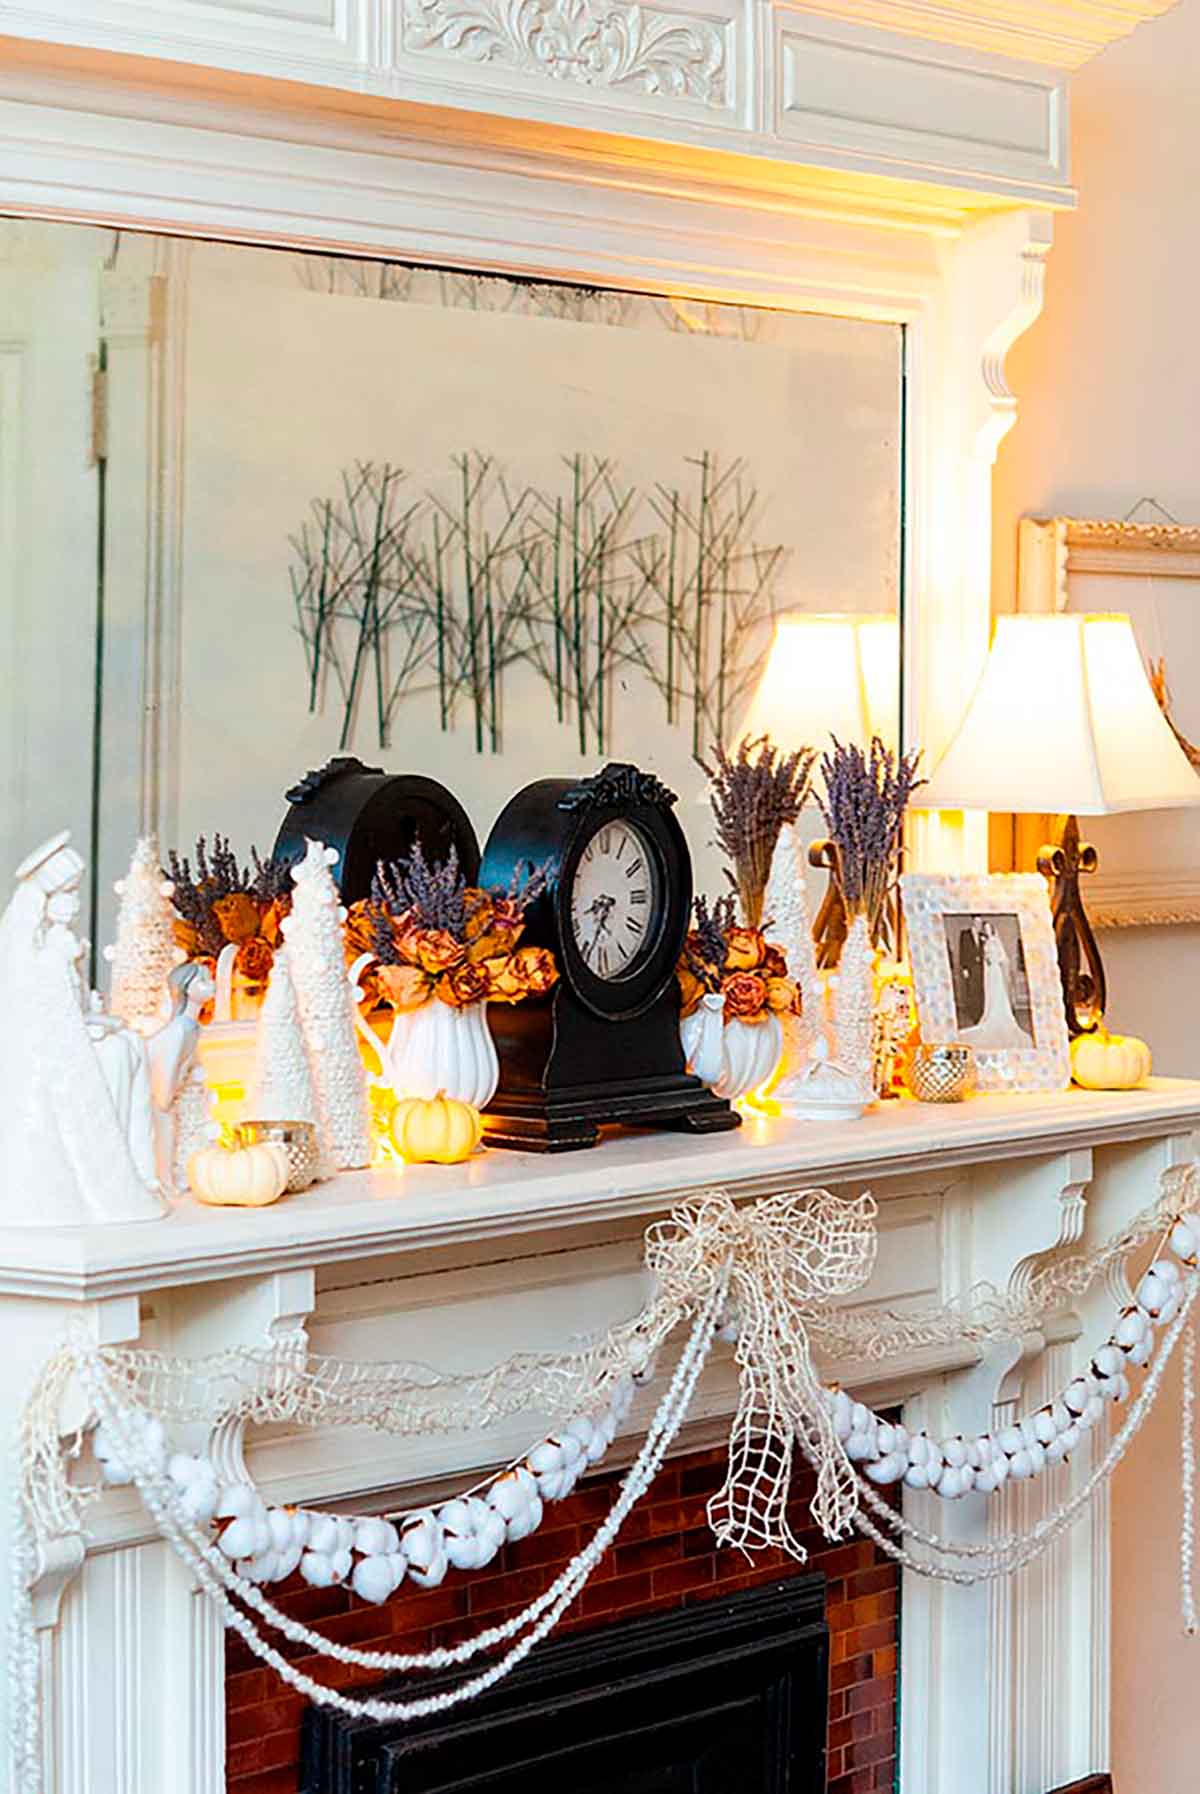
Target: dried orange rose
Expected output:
[271,926]
[187,937]
[238,915]
[690,989]
[465,984]
[406,937]
[497,942]
[744,949]
[254,960]
[404,987]
[745,996]
[438,951]
[781,994]
[534,969]
[774,965]
[361,919]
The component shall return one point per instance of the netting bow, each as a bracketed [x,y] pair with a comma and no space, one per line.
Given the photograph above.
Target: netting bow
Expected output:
[785,1254]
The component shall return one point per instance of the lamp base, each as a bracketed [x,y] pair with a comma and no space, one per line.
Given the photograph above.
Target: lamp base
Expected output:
[832,925]
[1085,991]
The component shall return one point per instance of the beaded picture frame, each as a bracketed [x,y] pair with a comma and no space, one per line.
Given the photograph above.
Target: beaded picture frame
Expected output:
[986,975]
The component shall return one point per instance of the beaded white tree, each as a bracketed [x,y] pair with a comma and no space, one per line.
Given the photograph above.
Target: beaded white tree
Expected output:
[788,926]
[313,932]
[282,1087]
[194,1125]
[852,1006]
[145,951]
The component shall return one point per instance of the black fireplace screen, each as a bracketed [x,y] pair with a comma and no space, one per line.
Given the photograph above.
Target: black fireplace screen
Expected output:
[726,1697]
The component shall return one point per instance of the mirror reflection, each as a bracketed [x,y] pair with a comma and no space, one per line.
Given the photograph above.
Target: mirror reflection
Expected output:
[263,506]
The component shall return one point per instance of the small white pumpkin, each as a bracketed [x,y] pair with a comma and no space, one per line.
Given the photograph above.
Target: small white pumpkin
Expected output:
[239,1176]
[1103,1061]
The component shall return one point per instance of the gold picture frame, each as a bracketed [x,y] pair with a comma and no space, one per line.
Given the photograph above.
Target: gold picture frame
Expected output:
[1149,873]
[986,975]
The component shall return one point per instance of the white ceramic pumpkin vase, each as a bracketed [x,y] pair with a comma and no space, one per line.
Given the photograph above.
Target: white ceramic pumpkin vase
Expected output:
[731,1057]
[750,1056]
[436,1050]
[703,1036]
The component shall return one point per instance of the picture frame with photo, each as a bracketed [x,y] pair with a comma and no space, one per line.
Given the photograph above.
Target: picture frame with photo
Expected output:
[986,975]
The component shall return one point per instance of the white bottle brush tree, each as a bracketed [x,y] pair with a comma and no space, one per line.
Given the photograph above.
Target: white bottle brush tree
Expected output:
[145,952]
[283,1087]
[313,933]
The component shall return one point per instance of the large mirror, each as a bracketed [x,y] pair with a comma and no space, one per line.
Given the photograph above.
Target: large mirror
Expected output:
[259,506]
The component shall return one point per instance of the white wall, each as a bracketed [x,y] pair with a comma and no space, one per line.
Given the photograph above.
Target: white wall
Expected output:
[1109,389]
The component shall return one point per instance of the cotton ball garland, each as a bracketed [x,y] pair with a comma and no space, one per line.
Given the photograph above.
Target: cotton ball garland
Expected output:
[374,1578]
[1185,1244]
[376,1538]
[556,1463]
[150,1434]
[516,1499]
[196,1481]
[1153,1292]
[424,1549]
[473,1532]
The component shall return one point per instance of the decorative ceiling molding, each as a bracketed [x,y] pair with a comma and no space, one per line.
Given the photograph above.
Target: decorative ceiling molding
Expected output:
[1063,33]
[593,43]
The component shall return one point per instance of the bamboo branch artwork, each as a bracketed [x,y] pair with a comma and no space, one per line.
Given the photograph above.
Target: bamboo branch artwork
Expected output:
[398,592]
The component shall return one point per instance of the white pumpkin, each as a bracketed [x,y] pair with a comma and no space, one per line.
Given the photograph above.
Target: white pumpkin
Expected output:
[239,1176]
[1103,1061]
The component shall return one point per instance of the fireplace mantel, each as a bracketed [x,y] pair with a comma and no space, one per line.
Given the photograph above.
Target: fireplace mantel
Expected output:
[502,1195]
[460,1267]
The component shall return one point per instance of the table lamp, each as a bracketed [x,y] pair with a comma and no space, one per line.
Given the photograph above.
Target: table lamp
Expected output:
[1064,719]
[829,675]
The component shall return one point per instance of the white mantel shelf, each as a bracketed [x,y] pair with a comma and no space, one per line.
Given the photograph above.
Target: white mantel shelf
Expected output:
[366,1214]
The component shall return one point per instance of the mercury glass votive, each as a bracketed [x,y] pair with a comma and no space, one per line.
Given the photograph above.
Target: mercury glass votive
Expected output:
[299,1142]
[942,1074]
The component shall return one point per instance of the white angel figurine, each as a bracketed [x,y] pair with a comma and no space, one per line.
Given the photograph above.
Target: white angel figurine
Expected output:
[172,1054]
[66,1156]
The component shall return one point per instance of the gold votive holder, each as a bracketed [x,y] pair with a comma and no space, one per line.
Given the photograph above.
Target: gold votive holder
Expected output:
[299,1142]
[941,1074]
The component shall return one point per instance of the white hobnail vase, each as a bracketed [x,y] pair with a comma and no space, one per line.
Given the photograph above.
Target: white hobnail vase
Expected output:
[703,1036]
[751,1052]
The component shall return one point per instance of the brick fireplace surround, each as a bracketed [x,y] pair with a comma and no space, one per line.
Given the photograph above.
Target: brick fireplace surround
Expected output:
[664,1558]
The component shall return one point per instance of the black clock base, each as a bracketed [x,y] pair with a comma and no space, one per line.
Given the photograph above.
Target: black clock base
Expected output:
[571,1119]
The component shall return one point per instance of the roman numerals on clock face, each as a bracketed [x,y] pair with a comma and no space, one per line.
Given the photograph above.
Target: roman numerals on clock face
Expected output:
[614,899]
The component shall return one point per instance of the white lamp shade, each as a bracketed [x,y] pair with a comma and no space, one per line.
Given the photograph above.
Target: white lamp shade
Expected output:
[1063,720]
[828,675]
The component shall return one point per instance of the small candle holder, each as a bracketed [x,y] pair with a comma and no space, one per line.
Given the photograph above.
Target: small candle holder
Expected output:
[299,1142]
[942,1074]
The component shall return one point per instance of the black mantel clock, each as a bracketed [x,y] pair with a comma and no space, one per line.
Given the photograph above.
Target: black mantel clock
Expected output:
[604,1045]
[367,815]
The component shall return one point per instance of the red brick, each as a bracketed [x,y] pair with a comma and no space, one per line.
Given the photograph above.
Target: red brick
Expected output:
[277,1715]
[622,1594]
[682,1578]
[272,1781]
[665,1557]
[879,1692]
[875,1749]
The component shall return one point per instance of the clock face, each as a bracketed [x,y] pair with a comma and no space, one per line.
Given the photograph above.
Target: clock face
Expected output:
[615,900]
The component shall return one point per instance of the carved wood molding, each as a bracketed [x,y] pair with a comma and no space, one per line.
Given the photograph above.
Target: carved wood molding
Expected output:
[1062,33]
[593,43]
[1051,548]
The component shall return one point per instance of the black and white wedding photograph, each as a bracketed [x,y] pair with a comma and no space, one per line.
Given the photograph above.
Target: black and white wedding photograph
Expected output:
[992,1004]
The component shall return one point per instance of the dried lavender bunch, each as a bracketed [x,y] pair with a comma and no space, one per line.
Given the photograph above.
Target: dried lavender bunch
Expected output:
[216,875]
[752,796]
[526,885]
[866,796]
[706,951]
[434,894]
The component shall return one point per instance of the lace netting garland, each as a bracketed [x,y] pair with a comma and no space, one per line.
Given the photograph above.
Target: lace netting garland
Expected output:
[769,1275]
